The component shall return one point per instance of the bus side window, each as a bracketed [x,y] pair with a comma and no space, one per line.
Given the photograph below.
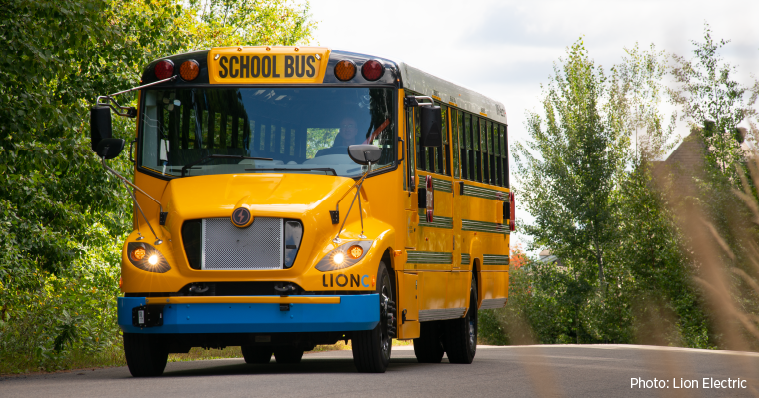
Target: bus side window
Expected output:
[467,158]
[447,128]
[442,151]
[505,159]
[411,146]
[496,155]
[421,153]
[487,151]
[476,150]
[455,126]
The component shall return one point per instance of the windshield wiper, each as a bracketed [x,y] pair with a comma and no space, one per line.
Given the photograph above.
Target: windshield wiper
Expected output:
[307,169]
[219,156]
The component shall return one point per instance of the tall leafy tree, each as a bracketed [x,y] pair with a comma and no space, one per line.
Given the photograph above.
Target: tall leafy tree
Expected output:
[61,216]
[713,102]
[568,171]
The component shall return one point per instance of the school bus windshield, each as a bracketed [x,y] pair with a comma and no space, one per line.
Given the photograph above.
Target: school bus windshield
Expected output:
[302,130]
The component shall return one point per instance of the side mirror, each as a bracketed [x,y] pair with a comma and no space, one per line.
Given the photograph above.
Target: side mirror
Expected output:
[109,148]
[100,125]
[432,126]
[364,154]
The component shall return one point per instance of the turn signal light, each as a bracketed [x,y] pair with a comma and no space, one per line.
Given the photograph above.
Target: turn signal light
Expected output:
[164,69]
[372,70]
[345,70]
[138,254]
[189,70]
[355,251]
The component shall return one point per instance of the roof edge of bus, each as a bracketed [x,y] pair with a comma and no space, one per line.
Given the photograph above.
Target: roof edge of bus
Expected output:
[450,93]
[410,78]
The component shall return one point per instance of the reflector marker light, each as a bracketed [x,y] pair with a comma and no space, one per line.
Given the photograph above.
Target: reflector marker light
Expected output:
[372,70]
[345,70]
[164,69]
[189,70]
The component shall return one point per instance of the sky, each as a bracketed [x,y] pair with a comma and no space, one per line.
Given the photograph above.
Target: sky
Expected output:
[507,49]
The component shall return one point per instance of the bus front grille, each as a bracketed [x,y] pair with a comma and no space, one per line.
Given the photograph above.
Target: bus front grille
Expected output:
[226,247]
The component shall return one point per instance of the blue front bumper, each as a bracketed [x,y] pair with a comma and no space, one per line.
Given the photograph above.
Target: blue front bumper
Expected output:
[354,312]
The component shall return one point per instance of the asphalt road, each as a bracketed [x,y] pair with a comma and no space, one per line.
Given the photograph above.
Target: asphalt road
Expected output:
[515,371]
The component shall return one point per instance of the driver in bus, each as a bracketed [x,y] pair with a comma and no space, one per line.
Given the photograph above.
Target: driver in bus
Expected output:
[345,138]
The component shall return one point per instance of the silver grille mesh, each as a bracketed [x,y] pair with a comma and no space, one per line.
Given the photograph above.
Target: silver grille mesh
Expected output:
[257,247]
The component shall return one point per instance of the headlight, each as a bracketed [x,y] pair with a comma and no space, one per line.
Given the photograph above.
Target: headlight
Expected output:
[146,257]
[344,256]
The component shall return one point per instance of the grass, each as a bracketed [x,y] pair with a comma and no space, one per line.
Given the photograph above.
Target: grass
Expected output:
[67,360]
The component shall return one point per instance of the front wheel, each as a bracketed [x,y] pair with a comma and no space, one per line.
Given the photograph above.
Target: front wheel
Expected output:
[371,348]
[146,354]
[461,334]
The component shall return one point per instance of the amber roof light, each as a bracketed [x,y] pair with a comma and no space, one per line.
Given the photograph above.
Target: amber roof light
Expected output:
[345,70]
[189,70]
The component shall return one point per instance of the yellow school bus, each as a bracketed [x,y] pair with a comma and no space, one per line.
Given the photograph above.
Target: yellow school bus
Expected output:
[287,197]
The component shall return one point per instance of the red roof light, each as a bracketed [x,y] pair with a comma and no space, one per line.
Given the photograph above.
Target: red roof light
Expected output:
[372,70]
[164,69]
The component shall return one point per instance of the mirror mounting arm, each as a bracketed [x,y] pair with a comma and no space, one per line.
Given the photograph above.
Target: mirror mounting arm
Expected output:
[128,111]
[128,183]
[336,213]
[413,101]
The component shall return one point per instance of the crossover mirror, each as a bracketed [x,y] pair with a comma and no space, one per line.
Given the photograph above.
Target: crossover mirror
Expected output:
[364,154]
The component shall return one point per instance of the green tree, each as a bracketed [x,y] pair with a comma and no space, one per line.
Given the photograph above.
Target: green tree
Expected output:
[568,175]
[711,99]
[580,151]
[219,23]
[62,218]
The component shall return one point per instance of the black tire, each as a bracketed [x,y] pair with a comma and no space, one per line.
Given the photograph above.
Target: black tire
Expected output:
[371,348]
[461,334]
[288,354]
[428,348]
[256,354]
[146,354]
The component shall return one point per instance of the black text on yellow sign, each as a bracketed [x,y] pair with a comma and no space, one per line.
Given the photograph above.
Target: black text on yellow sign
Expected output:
[267,66]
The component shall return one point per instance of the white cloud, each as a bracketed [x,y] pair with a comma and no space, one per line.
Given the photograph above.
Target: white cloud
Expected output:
[506,49]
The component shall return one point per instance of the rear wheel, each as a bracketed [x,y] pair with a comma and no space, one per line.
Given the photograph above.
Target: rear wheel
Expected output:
[256,354]
[428,348]
[371,348]
[461,334]
[288,354]
[146,354]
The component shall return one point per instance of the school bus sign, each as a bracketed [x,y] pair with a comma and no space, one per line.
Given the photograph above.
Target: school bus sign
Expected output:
[267,65]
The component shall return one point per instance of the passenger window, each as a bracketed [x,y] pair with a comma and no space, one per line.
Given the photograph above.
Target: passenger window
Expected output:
[455,126]
[476,150]
[503,131]
[441,153]
[487,150]
[468,160]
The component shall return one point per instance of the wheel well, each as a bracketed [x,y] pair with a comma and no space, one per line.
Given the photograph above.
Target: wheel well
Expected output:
[387,258]
[475,275]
